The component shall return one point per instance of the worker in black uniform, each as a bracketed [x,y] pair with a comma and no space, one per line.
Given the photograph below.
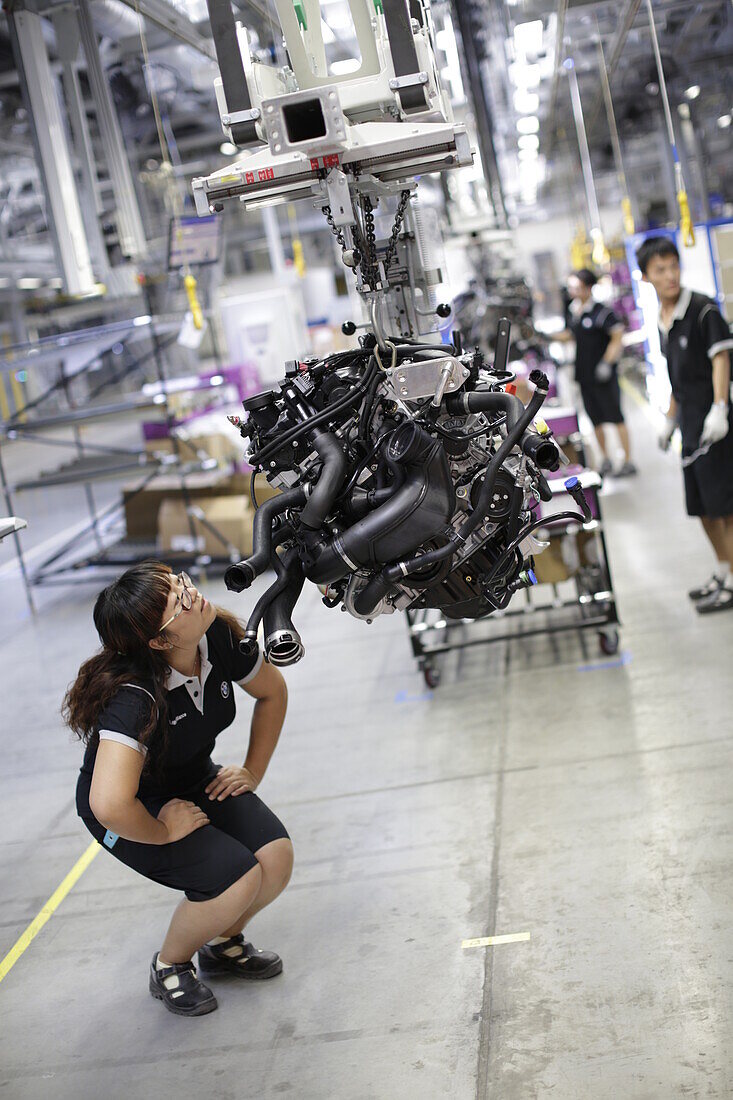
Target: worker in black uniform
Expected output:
[597,332]
[149,706]
[696,340]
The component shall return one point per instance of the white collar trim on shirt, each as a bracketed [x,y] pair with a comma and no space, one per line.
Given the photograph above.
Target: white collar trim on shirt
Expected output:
[679,310]
[578,308]
[192,683]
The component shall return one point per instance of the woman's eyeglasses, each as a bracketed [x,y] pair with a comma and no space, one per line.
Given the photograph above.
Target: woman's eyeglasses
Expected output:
[186,598]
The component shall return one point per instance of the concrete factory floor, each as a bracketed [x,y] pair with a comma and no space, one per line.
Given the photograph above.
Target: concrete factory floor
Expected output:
[540,789]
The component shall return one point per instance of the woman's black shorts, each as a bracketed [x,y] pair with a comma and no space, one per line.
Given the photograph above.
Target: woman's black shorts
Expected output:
[602,401]
[208,861]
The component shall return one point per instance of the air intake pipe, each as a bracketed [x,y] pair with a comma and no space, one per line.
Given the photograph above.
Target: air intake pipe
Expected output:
[240,576]
[283,645]
[328,486]
[418,510]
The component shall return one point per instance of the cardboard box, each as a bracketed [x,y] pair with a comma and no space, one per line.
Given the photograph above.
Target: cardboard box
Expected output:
[141,509]
[216,445]
[562,558]
[222,527]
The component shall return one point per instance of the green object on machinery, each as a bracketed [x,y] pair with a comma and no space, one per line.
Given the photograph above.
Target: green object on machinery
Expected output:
[300,12]
[379,6]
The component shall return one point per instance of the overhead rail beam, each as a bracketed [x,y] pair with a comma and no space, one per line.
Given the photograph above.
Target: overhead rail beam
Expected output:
[482,110]
[163,15]
[614,56]
[562,9]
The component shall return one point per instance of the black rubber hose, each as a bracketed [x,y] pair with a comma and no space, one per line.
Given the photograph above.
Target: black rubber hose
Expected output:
[248,644]
[332,476]
[514,434]
[578,517]
[240,576]
[486,401]
[372,594]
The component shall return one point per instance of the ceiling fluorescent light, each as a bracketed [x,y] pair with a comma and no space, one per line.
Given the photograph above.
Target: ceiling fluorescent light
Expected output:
[528,37]
[528,141]
[527,103]
[523,75]
[529,124]
[693,91]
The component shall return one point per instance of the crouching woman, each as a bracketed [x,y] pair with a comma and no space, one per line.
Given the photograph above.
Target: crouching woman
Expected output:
[149,707]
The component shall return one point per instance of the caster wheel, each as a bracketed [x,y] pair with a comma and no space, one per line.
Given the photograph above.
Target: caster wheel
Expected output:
[432,677]
[608,641]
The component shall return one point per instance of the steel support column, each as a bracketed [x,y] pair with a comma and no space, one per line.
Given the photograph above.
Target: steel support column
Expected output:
[130,227]
[39,89]
[481,109]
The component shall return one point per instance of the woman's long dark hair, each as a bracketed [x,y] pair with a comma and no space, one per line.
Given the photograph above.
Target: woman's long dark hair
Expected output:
[127,614]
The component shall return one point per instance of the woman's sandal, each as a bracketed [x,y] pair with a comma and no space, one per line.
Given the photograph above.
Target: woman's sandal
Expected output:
[235,956]
[180,990]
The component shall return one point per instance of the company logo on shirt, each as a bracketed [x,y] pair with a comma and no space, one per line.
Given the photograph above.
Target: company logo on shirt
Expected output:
[683,342]
[173,721]
[225,689]
[587,322]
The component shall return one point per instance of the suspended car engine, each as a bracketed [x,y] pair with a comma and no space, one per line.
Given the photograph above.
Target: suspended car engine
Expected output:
[408,472]
[406,483]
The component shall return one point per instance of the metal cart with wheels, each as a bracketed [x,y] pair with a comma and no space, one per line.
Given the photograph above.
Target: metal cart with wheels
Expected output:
[574,593]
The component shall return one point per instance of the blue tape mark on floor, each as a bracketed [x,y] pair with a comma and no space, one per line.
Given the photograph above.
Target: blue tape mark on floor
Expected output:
[405,697]
[623,659]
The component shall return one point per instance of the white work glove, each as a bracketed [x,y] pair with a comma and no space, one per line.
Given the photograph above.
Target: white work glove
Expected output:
[604,371]
[664,438]
[715,426]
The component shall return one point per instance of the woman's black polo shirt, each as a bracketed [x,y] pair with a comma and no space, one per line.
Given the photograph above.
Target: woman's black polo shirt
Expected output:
[698,332]
[198,710]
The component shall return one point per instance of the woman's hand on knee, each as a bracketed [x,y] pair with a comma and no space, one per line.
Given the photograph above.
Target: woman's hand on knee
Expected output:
[231,781]
[181,818]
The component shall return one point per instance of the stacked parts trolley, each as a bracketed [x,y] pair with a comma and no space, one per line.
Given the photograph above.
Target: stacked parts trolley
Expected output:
[574,592]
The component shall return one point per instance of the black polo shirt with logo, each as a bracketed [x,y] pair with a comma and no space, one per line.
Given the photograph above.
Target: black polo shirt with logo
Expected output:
[698,332]
[592,329]
[198,710]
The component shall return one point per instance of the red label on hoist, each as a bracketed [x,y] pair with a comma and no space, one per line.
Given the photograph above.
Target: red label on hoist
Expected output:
[510,388]
[266,174]
[331,161]
[249,177]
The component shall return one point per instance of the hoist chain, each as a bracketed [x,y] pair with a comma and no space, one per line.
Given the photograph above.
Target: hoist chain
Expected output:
[365,248]
[399,215]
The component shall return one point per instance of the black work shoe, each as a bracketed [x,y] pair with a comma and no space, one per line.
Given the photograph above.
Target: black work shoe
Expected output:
[711,586]
[606,468]
[183,994]
[234,956]
[627,470]
[720,600]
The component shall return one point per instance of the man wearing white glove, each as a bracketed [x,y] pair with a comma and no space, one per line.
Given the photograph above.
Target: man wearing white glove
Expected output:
[697,342]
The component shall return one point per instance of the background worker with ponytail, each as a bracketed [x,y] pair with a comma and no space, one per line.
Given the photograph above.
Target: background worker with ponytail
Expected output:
[149,707]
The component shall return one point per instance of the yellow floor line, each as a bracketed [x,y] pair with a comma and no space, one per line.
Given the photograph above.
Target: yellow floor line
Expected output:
[491,941]
[48,909]
[631,391]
